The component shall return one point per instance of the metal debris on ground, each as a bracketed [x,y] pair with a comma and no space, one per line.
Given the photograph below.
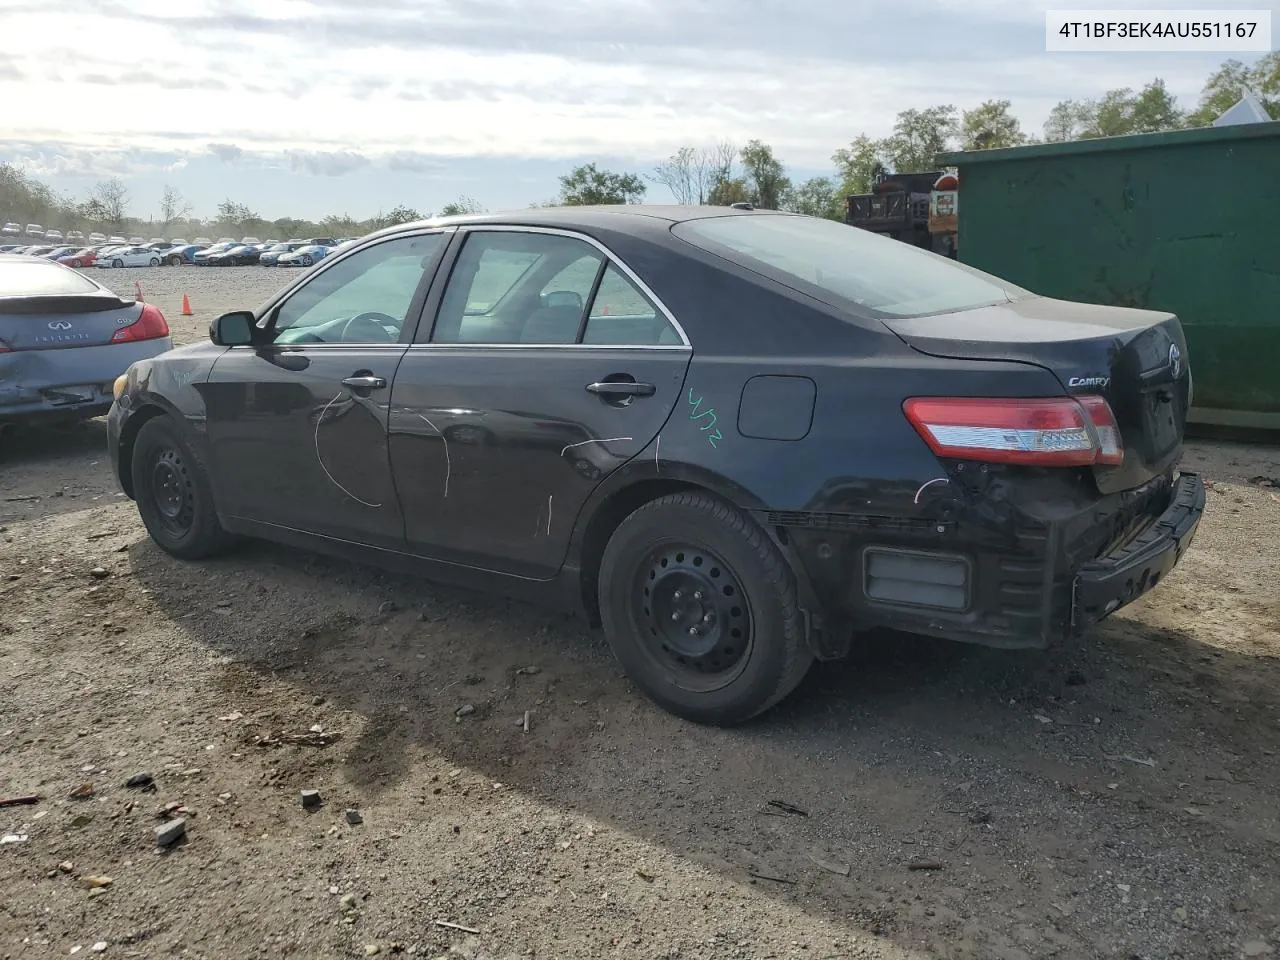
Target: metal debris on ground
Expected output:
[310,799]
[456,926]
[765,876]
[840,869]
[788,808]
[19,801]
[309,739]
[13,838]
[354,818]
[924,865]
[141,781]
[1125,756]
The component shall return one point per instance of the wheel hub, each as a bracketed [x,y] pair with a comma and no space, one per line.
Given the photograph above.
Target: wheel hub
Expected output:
[694,616]
[170,489]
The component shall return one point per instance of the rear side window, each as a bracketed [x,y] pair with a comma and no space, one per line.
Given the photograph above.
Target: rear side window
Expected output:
[833,261]
[34,278]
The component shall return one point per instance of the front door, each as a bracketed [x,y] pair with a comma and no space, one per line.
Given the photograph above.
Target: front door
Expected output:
[547,367]
[297,424]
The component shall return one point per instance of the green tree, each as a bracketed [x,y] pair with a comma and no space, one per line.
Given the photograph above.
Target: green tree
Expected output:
[856,163]
[588,185]
[400,214]
[1229,82]
[1116,113]
[765,177]
[989,126]
[1068,120]
[461,206]
[235,218]
[816,197]
[919,136]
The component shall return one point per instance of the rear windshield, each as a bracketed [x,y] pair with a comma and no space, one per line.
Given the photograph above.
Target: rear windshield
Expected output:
[35,278]
[841,264]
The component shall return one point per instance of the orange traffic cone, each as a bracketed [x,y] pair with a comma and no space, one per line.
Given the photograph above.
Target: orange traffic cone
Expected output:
[186,307]
[137,292]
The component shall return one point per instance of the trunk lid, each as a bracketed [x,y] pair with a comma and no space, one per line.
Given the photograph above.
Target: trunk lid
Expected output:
[1136,359]
[62,321]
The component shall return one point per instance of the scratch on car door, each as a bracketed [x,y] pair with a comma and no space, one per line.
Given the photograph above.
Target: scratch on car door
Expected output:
[448,462]
[320,458]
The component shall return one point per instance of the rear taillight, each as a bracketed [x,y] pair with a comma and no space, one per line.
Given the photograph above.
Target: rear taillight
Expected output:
[1047,432]
[150,325]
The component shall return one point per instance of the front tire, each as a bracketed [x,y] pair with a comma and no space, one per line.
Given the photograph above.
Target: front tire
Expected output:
[700,609]
[171,488]
[175,261]
[155,261]
[117,263]
[307,261]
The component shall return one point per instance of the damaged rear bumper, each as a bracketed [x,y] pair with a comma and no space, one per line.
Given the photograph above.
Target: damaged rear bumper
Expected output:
[68,382]
[1040,571]
[1105,585]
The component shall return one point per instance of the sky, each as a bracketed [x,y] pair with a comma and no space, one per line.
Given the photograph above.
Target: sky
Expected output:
[308,107]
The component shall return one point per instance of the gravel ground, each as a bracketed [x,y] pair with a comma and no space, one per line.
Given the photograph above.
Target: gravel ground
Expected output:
[1115,798]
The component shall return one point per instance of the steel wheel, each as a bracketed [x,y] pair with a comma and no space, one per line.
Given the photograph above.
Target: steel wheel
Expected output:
[692,616]
[172,490]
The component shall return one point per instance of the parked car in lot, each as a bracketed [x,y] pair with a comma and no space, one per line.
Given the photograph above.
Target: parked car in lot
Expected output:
[53,236]
[802,430]
[57,252]
[119,241]
[130,256]
[137,241]
[204,240]
[85,257]
[97,238]
[207,256]
[182,253]
[10,247]
[64,340]
[237,255]
[10,230]
[75,236]
[274,252]
[34,231]
[303,256]
[39,250]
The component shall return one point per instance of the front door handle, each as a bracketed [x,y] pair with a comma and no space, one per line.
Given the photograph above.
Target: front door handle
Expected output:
[624,388]
[364,383]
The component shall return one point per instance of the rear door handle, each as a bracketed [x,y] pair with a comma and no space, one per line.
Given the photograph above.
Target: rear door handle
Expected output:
[364,383]
[624,388]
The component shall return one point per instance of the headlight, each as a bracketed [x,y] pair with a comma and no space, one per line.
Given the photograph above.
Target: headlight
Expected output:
[117,388]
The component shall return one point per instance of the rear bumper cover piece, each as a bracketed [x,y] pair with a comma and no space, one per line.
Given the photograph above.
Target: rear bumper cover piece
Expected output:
[1104,585]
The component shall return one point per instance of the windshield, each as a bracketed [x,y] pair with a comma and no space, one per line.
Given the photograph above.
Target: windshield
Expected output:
[841,264]
[39,278]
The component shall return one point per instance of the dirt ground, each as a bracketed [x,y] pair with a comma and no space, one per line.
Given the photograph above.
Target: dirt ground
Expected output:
[1116,798]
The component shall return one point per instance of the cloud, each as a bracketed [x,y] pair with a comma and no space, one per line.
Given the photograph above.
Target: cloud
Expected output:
[9,70]
[325,164]
[226,152]
[410,161]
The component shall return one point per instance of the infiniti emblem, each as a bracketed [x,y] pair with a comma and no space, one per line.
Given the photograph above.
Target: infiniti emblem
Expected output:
[1175,360]
[59,325]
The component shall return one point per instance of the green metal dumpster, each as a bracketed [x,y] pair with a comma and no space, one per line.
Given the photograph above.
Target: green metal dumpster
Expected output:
[1186,221]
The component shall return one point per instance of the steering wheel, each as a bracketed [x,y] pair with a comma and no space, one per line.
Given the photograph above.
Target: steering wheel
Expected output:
[367,328]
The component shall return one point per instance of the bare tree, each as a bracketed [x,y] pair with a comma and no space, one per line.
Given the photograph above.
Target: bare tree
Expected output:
[688,174]
[173,206]
[110,198]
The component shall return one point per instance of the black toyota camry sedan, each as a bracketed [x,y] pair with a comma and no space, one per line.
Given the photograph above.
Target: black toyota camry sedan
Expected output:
[733,438]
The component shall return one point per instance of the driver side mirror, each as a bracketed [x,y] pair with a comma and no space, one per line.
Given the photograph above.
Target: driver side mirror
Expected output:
[562,298]
[233,329]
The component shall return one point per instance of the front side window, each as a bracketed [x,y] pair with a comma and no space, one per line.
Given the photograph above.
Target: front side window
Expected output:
[517,287]
[835,261]
[363,298]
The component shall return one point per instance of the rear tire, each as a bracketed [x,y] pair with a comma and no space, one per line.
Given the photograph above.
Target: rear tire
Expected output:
[155,261]
[171,488]
[700,609]
[117,263]
[175,261]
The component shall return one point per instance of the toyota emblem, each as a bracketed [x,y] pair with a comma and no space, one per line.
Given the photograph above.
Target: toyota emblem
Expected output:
[59,325]
[1175,360]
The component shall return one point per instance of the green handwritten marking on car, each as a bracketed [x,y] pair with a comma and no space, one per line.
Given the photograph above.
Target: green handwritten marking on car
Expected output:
[709,412]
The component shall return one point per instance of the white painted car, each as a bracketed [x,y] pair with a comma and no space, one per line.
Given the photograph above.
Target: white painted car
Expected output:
[129,257]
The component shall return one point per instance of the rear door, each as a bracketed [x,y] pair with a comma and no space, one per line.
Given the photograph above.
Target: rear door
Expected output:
[548,366]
